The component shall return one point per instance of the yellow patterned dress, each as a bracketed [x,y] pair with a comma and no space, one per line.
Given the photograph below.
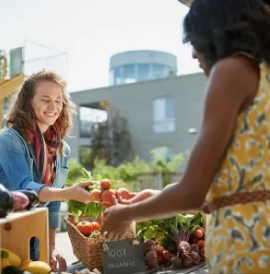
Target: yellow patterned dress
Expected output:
[238,237]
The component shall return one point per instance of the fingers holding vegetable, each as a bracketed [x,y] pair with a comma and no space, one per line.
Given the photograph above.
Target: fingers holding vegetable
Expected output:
[116,223]
[136,197]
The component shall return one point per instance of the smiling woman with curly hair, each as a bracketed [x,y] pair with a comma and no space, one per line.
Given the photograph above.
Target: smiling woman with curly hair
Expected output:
[228,173]
[33,153]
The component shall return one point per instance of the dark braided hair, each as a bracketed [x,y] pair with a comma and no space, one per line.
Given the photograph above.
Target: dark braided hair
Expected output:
[219,28]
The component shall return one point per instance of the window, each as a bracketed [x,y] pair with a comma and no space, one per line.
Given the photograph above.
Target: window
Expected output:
[143,72]
[158,71]
[117,76]
[88,118]
[163,112]
[129,74]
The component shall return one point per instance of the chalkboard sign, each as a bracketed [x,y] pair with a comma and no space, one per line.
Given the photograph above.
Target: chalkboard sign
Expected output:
[122,257]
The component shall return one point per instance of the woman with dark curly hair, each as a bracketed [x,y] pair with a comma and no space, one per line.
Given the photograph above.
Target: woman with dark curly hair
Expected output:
[228,174]
[33,153]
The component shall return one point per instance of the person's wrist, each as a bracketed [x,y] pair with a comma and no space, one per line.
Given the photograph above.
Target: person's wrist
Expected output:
[129,212]
[67,193]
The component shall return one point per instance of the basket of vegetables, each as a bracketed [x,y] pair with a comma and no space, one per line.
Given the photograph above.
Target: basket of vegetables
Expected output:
[173,243]
[85,221]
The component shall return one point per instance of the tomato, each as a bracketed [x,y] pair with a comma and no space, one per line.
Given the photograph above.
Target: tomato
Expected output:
[95,225]
[85,228]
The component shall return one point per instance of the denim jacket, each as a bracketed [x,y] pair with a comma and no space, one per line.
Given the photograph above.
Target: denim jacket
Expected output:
[18,169]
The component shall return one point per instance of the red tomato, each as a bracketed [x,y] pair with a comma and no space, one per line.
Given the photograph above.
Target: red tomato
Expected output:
[85,228]
[95,225]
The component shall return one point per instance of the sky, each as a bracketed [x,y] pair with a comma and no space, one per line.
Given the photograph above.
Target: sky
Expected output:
[86,33]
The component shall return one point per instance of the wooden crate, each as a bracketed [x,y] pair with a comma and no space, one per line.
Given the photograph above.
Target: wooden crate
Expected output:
[18,228]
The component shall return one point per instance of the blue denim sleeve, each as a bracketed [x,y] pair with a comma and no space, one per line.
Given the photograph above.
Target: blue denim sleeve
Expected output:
[54,213]
[14,162]
[54,207]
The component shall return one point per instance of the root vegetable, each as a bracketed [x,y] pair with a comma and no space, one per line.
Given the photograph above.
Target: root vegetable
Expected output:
[95,195]
[195,248]
[176,262]
[202,252]
[160,259]
[184,246]
[167,255]
[152,264]
[198,234]
[186,260]
[195,256]
[105,184]
[201,243]
[195,240]
[159,249]
[202,229]
[151,259]
[148,245]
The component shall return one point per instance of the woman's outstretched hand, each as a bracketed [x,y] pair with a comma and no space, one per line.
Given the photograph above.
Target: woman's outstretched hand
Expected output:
[78,193]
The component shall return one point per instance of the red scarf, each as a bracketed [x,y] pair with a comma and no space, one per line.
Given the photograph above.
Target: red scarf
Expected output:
[45,147]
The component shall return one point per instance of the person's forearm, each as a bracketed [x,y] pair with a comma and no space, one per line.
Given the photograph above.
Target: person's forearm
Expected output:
[52,233]
[51,194]
[168,203]
[144,194]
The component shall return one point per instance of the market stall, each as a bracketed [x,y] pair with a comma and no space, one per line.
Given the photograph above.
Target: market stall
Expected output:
[174,245]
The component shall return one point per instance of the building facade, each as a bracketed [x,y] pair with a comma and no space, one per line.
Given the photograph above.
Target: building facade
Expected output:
[141,65]
[160,113]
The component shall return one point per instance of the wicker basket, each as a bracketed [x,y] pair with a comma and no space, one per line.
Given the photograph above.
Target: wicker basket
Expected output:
[87,250]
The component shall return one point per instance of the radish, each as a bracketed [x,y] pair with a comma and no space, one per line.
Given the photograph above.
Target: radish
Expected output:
[201,244]
[167,255]
[198,234]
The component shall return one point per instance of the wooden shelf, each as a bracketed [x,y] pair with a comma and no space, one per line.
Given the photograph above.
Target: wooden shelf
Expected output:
[18,228]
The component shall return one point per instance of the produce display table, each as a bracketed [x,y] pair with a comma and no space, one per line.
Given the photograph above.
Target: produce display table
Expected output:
[199,269]
[18,228]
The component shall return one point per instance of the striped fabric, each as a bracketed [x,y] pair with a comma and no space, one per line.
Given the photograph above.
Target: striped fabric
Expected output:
[45,147]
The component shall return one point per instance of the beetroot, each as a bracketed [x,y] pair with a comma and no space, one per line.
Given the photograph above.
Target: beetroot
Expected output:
[195,257]
[195,248]
[184,246]
[186,260]
[151,259]
[148,245]
[176,262]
